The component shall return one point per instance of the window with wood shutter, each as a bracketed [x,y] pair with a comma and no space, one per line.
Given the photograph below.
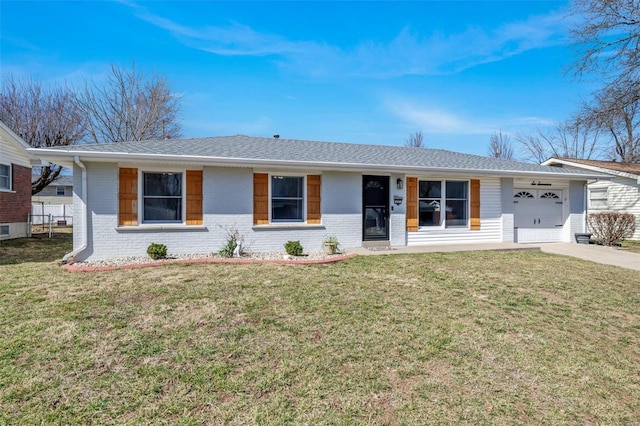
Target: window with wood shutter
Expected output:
[281,198]
[128,197]
[444,204]
[152,197]
[412,204]
[474,201]
[194,197]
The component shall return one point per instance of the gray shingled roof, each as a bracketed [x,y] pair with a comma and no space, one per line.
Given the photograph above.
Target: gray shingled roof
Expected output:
[312,153]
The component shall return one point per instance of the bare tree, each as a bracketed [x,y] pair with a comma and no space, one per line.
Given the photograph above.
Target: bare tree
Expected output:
[130,106]
[575,138]
[620,120]
[607,36]
[415,140]
[500,146]
[42,117]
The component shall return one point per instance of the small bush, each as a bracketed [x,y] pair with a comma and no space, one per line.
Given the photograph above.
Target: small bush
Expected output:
[157,251]
[234,239]
[293,248]
[611,228]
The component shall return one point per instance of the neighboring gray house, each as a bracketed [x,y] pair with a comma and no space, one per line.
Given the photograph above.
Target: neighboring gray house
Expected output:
[58,192]
[190,193]
[619,193]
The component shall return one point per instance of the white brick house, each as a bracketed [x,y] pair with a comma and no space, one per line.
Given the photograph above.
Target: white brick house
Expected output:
[189,193]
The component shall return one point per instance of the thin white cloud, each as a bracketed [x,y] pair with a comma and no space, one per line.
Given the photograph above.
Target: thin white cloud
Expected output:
[409,53]
[441,121]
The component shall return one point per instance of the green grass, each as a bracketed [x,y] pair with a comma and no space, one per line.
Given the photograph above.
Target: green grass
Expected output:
[633,246]
[463,338]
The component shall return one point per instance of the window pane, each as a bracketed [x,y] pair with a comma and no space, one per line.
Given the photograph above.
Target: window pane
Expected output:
[430,189]
[429,213]
[4,176]
[163,184]
[163,209]
[456,213]
[286,187]
[456,189]
[286,209]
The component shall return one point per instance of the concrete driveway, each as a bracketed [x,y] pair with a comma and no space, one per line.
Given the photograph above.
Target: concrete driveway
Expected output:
[591,252]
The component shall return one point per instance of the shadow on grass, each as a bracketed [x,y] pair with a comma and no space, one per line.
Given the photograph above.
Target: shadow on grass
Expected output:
[37,248]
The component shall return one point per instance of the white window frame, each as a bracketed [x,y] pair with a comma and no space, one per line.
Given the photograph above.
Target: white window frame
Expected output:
[7,227]
[58,188]
[141,196]
[602,194]
[304,198]
[443,204]
[9,168]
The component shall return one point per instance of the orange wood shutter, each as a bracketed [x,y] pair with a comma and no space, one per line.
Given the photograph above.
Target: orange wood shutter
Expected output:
[313,199]
[194,197]
[412,204]
[475,204]
[128,197]
[260,198]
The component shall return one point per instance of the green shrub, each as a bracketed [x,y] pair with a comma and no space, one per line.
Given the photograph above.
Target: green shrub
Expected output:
[331,244]
[234,239]
[294,248]
[157,251]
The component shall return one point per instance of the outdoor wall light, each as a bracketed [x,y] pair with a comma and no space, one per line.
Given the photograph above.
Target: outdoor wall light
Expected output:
[399,184]
[397,200]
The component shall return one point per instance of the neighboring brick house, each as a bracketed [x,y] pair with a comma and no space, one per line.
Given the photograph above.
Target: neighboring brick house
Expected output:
[15,185]
[191,193]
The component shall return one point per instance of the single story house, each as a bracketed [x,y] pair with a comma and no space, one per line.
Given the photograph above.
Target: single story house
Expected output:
[619,193]
[15,185]
[54,202]
[58,192]
[190,194]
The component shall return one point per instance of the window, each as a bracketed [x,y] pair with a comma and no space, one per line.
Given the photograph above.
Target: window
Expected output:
[4,229]
[598,198]
[162,197]
[5,176]
[60,190]
[453,195]
[287,198]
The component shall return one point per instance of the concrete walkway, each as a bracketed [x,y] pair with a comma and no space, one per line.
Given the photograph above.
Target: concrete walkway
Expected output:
[591,252]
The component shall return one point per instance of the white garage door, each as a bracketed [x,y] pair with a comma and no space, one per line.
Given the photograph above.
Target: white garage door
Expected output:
[537,215]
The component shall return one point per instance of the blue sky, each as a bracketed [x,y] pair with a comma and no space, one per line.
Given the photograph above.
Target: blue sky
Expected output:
[365,72]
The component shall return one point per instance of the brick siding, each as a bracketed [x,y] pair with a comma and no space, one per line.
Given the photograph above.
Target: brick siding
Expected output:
[15,206]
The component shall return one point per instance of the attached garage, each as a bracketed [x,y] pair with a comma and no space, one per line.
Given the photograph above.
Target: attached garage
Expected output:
[538,215]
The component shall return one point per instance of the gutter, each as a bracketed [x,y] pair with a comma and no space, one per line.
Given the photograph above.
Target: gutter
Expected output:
[69,257]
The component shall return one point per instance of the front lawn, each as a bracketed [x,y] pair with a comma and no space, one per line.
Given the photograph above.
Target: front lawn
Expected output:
[462,338]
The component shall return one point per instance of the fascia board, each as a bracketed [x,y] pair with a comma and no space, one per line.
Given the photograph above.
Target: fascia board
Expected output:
[592,168]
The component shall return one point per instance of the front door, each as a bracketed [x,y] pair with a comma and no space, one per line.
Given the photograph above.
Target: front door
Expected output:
[375,208]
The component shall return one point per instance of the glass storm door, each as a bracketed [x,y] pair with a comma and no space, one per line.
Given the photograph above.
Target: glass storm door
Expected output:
[375,200]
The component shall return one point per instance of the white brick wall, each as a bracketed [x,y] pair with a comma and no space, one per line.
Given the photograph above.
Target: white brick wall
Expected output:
[227,205]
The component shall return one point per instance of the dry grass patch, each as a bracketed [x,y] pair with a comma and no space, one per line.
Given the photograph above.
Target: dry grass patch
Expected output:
[479,337]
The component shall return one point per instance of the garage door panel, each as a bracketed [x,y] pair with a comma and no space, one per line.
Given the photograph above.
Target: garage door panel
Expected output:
[538,216]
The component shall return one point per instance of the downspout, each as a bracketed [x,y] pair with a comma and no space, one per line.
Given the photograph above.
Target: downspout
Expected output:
[70,256]
[585,194]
